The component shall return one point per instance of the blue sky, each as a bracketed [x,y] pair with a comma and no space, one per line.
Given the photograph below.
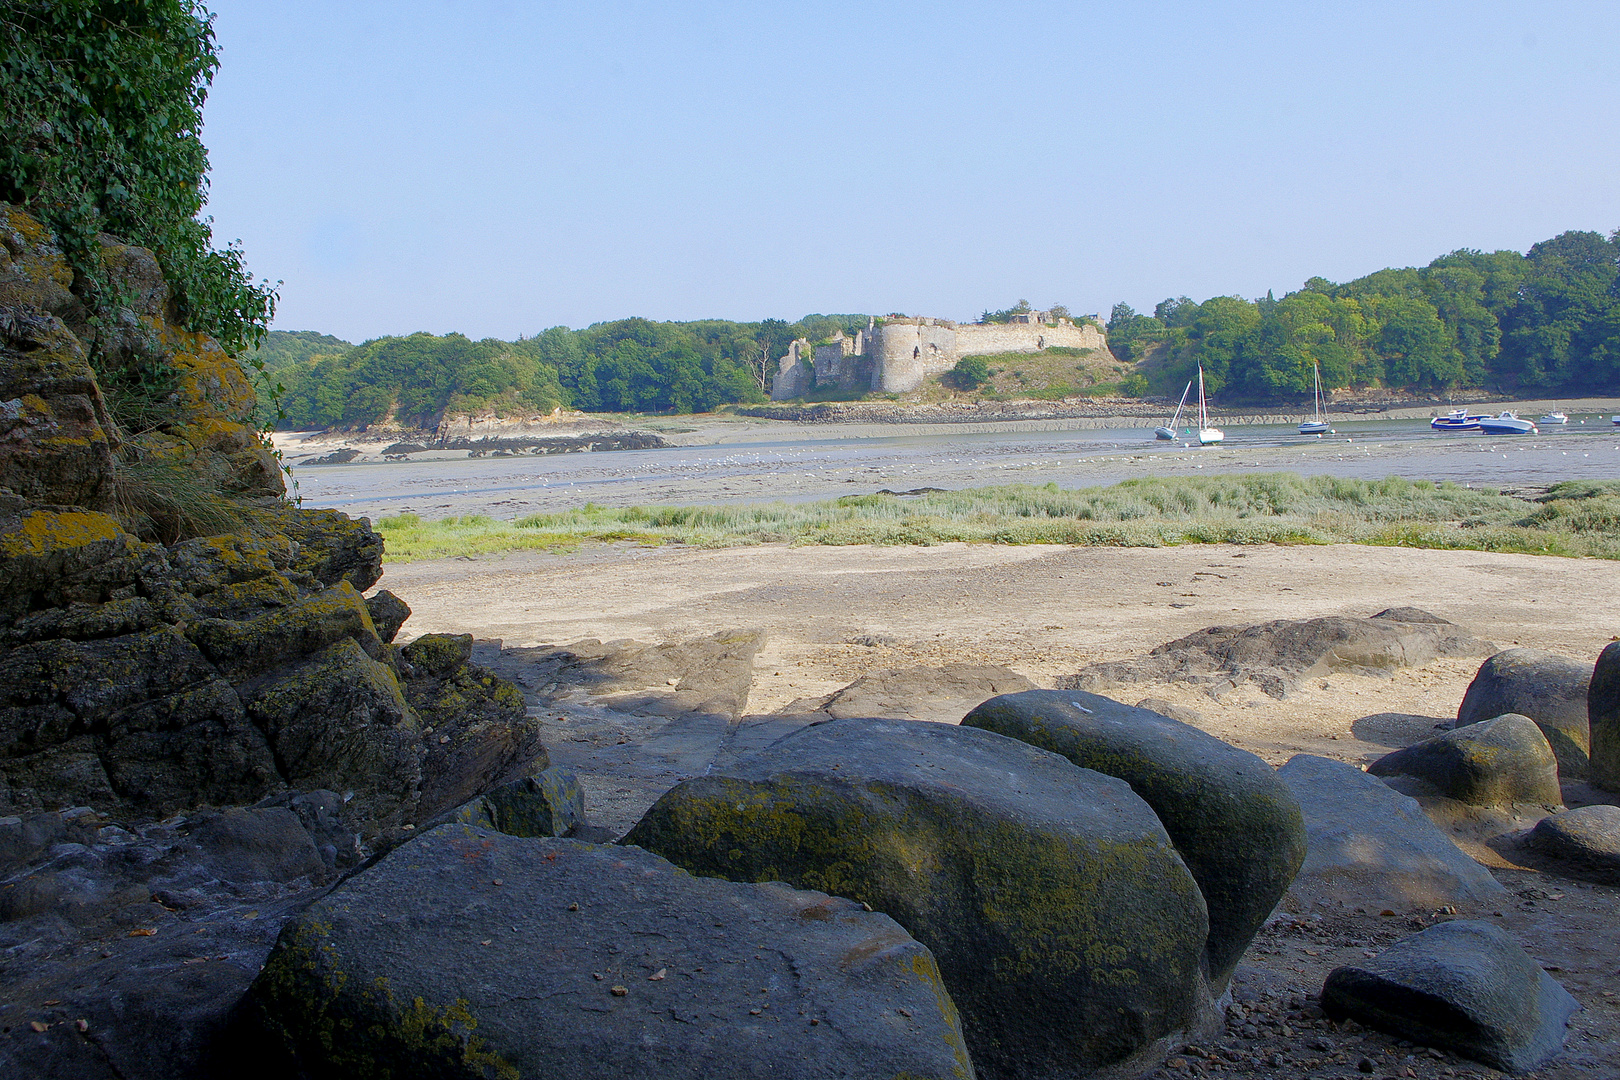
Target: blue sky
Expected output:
[496,168]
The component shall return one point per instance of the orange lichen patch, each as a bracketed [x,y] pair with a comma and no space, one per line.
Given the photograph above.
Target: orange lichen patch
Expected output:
[37,274]
[44,531]
[210,433]
[211,383]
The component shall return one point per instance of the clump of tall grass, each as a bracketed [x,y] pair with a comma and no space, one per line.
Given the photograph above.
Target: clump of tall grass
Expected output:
[1576,518]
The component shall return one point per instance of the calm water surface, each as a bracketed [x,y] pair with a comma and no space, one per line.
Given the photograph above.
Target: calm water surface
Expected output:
[814,463]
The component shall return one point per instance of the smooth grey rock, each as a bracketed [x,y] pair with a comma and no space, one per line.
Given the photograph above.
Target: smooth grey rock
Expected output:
[1548,688]
[549,803]
[265,844]
[1496,762]
[940,693]
[1587,837]
[470,953]
[1276,656]
[1603,717]
[1236,826]
[1068,929]
[1368,845]
[709,675]
[1464,986]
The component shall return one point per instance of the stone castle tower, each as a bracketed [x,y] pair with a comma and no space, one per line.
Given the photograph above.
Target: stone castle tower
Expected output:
[898,353]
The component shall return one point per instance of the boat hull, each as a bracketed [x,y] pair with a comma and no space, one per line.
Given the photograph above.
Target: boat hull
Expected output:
[1554,418]
[1209,436]
[1506,424]
[1164,433]
[1314,427]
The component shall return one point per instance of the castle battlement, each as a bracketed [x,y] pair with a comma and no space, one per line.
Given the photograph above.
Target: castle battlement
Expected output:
[898,353]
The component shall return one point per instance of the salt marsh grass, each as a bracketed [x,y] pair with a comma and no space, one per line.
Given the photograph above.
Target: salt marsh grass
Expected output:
[1576,518]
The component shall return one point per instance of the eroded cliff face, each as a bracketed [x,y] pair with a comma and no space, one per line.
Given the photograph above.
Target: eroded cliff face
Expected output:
[173,632]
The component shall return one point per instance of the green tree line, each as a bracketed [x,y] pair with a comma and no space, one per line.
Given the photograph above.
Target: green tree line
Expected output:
[101,108]
[630,365]
[1547,321]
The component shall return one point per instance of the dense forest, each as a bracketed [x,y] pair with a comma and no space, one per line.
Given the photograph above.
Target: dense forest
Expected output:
[1545,322]
[632,365]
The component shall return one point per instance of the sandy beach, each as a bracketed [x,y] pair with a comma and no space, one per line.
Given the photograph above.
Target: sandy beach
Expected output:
[1043,611]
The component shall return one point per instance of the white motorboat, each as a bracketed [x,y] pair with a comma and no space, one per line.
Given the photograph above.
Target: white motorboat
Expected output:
[1317,424]
[1169,430]
[1507,423]
[1458,420]
[1554,418]
[1206,433]
[1617,421]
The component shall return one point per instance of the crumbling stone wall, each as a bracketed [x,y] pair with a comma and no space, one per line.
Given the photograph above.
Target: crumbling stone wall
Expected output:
[896,355]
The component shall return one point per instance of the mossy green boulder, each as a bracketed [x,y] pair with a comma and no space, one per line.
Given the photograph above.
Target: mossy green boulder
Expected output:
[1496,762]
[467,953]
[1237,827]
[1548,688]
[549,803]
[1068,930]
[1603,714]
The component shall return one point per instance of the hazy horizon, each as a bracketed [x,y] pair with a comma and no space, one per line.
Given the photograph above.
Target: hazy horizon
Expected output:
[496,170]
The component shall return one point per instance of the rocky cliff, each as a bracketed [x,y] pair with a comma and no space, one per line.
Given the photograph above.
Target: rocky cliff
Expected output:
[174,633]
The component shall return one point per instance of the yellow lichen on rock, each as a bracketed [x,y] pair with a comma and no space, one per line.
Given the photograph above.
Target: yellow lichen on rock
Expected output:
[43,532]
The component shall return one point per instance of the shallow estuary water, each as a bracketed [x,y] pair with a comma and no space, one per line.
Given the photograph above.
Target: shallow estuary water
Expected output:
[761,462]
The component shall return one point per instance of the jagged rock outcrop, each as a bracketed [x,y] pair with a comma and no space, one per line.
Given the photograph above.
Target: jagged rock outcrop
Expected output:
[174,633]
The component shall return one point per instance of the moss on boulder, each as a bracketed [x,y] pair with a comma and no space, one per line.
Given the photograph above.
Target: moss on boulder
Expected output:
[471,954]
[1237,827]
[1067,929]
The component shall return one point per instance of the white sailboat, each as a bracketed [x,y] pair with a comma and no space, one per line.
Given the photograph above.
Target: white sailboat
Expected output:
[1206,434]
[1169,430]
[1317,424]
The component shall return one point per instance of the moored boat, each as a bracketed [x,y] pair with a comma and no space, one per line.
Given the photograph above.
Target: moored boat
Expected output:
[1206,433]
[1617,421]
[1507,423]
[1554,418]
[1458,420]
[1317,424]
[1168,431]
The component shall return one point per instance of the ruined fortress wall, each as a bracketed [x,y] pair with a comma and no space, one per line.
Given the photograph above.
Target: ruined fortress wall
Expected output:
[904,352]
[983,340]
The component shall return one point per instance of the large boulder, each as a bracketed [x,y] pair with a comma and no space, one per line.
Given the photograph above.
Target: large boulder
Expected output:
[1603,716]
[476,727]
[1464,986]
[469,953]
[1496,762]
[1369,846]
[1277,656]
[1548,688]
[1237,827]
[1585,839]
[1066,926]
[549,803]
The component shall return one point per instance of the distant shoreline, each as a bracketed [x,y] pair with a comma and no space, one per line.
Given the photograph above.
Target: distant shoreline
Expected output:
[603,432]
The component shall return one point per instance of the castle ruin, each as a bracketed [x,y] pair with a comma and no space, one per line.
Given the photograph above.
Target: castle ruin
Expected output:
[896,354]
